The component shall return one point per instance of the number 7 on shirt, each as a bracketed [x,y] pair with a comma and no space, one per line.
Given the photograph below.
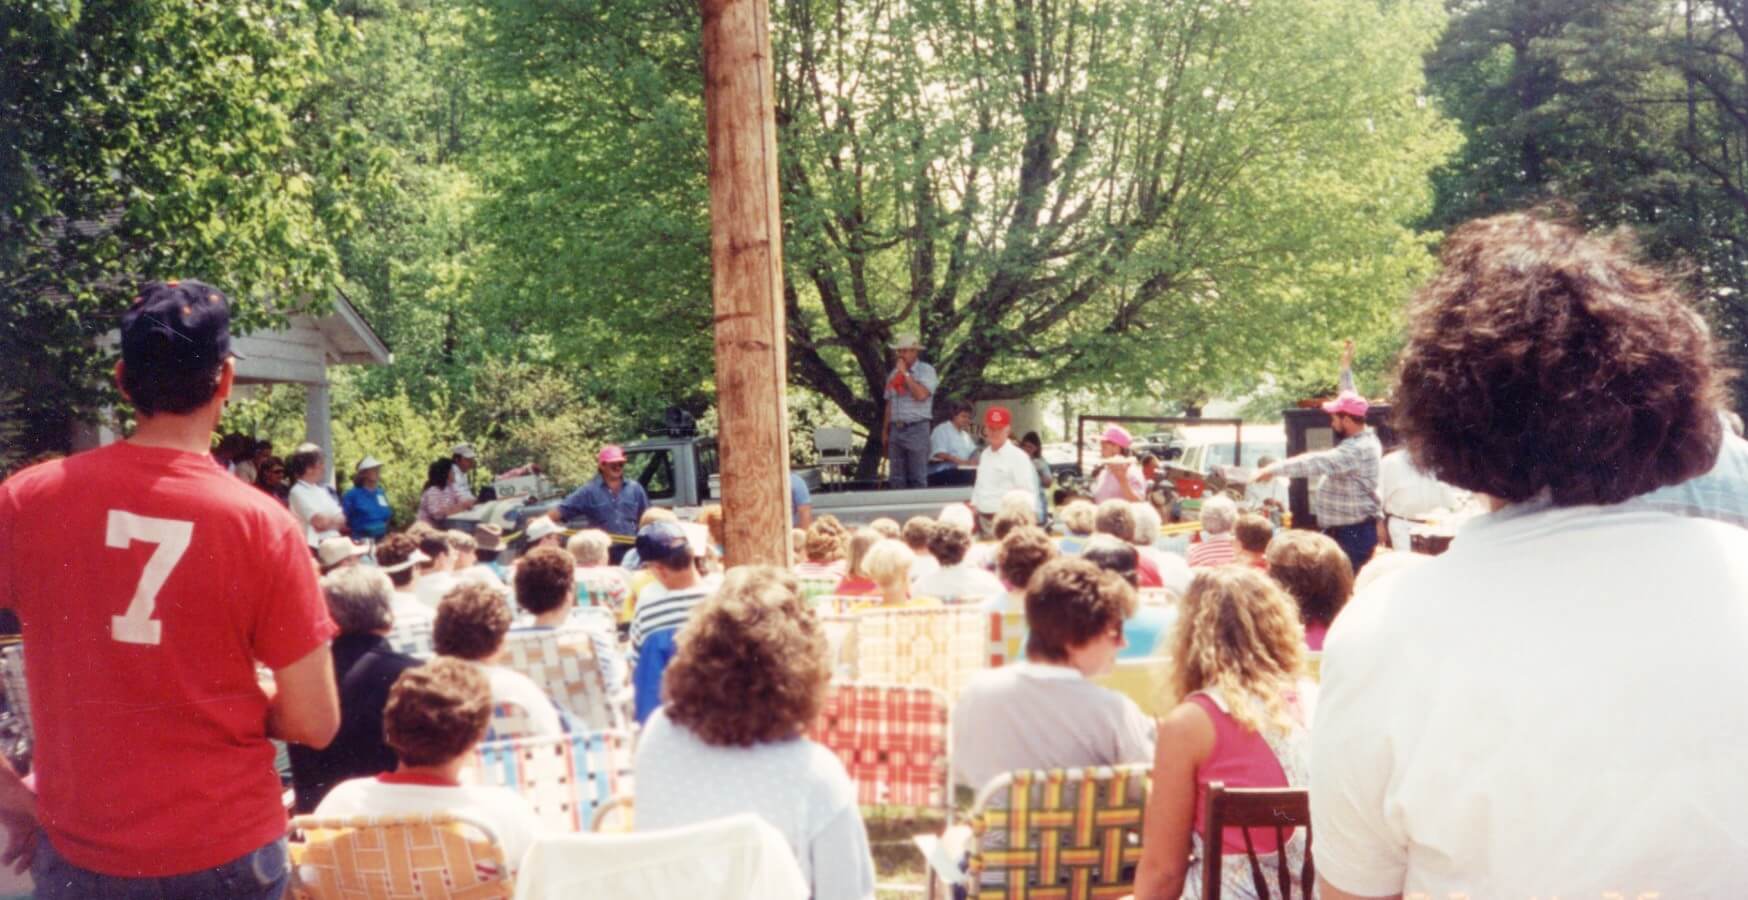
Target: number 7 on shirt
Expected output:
[136,626]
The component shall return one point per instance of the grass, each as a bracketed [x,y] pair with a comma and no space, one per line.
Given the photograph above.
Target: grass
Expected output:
[898,865]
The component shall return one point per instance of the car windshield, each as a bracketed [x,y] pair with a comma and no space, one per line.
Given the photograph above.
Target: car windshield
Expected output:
[1221,454]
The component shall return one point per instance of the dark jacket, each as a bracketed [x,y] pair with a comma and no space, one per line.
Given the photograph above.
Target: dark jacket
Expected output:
[365,667]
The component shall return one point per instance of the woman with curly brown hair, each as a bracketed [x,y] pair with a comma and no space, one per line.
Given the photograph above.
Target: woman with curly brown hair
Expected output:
[1238,656]
[1537,711]
[1316,574]
[749,679]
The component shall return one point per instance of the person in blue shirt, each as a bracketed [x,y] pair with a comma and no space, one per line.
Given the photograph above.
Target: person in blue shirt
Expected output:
[609,501]
[366,505]
[800,502]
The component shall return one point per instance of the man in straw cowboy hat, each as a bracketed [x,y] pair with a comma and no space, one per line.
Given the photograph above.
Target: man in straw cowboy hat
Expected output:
[910,405]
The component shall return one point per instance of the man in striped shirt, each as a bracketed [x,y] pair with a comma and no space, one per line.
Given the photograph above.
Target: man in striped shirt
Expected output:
[666,551]
[1347,505]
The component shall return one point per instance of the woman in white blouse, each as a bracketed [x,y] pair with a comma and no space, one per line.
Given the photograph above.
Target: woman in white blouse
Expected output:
[749,678]
[316,508]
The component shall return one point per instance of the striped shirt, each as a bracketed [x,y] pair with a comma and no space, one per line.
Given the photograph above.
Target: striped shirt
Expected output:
[1212,550]
[655,614]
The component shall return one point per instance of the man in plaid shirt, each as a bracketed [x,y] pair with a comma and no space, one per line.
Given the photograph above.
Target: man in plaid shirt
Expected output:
[1347,505]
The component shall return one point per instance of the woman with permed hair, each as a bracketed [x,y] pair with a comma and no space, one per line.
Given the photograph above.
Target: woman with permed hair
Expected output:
[1545,708]
[1316,574]
[1238,657]
[748,680]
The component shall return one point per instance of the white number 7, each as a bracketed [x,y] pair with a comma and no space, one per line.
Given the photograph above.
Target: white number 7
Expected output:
[137,626]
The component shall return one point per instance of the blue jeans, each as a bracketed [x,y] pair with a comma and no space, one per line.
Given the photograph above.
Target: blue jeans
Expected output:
[907,455]
[258,875]
[1357,541]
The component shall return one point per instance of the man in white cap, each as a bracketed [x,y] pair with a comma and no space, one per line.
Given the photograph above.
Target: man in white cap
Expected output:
[910,406]
[465,460]
[1347,504]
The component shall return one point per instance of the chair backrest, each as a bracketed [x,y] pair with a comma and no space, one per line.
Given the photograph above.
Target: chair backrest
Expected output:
[893,740]
[739,857]
[1146,680]
[937,647]
[564,664]
[814,587]
[1007,638]
[413,639]
[833,443]
[429,855]
[566,779]
[1153,596]
[510,720]
[1280,810]
[17,691]
[1060,833]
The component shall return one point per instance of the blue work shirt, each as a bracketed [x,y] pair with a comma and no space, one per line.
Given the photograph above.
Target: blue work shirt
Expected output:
[798,497]
[597,506]
[367,511]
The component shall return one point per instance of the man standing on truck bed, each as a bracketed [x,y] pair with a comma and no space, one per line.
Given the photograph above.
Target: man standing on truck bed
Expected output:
[1347,505]
[608,502]
[910,406]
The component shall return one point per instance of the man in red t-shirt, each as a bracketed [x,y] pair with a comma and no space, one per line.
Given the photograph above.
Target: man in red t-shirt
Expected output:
[150,584]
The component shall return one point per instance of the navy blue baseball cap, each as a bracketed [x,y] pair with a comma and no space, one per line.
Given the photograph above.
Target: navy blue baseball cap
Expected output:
[177,326]
[663,542]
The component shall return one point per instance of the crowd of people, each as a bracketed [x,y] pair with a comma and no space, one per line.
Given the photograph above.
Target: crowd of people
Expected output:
[1528,714]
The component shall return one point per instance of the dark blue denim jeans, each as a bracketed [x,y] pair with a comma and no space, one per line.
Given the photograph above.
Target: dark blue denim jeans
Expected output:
[1357,541]
[258,875]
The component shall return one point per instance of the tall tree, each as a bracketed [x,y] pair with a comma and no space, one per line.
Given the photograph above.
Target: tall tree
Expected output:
[1163,197]
[142,139]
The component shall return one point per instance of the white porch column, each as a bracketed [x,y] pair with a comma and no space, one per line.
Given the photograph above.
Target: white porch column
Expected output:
[318,426]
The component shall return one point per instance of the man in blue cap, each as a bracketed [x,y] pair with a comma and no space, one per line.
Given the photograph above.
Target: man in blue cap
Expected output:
[151,584]
[668,550]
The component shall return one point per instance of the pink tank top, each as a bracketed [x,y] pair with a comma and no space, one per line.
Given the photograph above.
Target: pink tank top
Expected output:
[1240,758]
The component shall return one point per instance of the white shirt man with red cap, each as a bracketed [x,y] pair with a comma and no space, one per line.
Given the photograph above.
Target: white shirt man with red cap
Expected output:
[148,598]
[1002,466]
[1347,505]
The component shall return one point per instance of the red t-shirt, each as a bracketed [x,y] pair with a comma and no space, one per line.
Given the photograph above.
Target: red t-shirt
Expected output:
[149,582]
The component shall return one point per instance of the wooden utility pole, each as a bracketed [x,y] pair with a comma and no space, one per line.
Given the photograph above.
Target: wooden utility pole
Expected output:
[746,259]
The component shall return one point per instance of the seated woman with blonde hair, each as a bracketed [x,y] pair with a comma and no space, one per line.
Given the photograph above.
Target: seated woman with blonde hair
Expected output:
[748,680]
[1238,656]
[856,581]
[888,564]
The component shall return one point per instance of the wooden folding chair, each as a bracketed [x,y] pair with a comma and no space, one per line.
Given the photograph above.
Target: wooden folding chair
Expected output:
[440,855]
[1280,811]
[566,779]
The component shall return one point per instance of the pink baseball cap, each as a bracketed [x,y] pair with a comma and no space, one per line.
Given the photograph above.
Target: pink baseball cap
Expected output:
[611,453]
[1349,403]
[1118,435]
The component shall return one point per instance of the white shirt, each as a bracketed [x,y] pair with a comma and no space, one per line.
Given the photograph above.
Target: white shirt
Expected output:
[509,685]
[408,610]
[798,786]
[506,812]
[430,587]
[954,582]
[1407,491]
[1000,470]
[947,438]
[1548,709]
[309,500]
[1028,715]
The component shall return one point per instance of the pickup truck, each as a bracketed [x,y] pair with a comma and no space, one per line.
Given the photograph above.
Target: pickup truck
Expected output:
[680,472]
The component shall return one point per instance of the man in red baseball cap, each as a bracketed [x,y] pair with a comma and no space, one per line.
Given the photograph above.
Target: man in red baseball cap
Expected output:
[1347,505]
[1002,467]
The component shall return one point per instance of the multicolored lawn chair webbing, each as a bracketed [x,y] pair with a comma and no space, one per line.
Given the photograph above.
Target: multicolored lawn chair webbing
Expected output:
[566,779]
[599,587]
[1064,833]
[1007,638]
[840,635]
[510,720]
[17,691]
[938,647]
[413,639]
[813,586]
[1153,596]
[893,740]
[564,664]
[430,856]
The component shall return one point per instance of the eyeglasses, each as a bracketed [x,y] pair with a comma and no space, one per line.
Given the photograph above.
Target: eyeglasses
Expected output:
[614,466]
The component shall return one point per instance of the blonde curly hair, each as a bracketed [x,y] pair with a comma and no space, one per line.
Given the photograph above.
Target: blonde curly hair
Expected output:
[1239,636]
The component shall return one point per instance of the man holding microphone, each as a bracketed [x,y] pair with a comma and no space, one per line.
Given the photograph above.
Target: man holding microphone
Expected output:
[910,405]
